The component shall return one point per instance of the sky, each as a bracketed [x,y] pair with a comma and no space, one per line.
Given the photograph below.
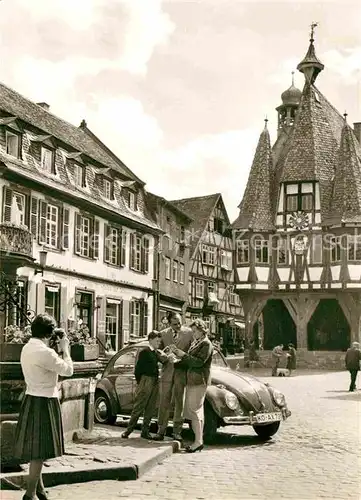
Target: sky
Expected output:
[179,90]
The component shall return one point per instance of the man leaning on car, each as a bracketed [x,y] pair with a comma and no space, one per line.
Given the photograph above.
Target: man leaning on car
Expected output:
[173,378]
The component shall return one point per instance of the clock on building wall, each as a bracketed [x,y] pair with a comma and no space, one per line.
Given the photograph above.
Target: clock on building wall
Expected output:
[299,221]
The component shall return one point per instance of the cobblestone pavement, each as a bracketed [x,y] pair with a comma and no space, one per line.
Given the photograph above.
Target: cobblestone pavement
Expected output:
[316,454]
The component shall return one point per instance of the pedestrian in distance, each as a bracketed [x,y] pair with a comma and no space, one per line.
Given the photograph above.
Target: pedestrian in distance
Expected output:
[39,432]
[146,374]
[291,358]
[352,361]
[277,354]
[173,377]
[198,362]
[253,356]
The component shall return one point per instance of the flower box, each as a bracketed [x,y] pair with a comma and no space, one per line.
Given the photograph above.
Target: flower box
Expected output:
[10,352]
[84,352]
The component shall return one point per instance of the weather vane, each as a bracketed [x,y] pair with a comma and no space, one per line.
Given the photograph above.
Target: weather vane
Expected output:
[313,26]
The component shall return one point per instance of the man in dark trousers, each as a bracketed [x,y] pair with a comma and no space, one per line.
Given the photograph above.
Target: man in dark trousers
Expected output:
[352,361]
[146,374]
[173,379]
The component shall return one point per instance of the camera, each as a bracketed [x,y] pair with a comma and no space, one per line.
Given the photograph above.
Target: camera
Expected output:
[57,334]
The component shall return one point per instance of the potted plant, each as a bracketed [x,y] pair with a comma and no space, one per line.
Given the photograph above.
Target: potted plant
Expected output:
[14,340]
[83,347]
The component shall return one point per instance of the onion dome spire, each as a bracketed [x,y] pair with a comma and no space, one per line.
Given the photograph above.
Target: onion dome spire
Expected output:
[292,95]
[311,66]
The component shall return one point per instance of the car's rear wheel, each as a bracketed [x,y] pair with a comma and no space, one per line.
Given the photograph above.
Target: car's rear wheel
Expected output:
[103,410]
[266,431]
[210,424]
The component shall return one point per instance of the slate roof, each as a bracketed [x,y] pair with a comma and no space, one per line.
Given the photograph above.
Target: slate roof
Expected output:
[199,209]
[78,138]
[71,138]
[154,199]
[255,209]
[346,198]
[319,146]
[92,195]
[311,152]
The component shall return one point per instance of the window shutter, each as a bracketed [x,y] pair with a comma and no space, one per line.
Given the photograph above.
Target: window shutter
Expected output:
[126,320]
[120,247]
[42,223]
[63,314]
[34,206]
[8,199]
[145,256]
[142,254]
[101,327]
[131,317]
[77,230]
[40,298]
[124,248]
[96,239]
[132,250]
[144,314]
[106,243]
[65,231]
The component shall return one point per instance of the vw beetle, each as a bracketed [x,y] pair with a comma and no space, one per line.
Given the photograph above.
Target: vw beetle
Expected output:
[233,398]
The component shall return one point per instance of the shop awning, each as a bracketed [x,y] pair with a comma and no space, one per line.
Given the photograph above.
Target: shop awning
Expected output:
[169,307]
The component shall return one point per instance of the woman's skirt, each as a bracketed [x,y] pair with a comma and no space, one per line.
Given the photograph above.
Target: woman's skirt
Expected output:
[194,401]
[39,432]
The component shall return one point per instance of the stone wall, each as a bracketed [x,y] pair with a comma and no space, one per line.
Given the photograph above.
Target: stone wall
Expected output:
[327,360]
[74,393]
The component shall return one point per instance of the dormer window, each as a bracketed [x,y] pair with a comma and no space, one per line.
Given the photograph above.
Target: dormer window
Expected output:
[299,197]
[79,175]
[131,199]
[48,159]
[108,189]
[13,144]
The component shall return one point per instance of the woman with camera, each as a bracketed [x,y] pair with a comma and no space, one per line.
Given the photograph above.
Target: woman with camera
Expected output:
[39,432]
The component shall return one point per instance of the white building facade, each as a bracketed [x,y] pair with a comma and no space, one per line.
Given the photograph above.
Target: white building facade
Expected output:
[89,221]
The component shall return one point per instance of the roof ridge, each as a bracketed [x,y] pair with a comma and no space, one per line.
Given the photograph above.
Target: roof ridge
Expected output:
[161,198]
[196,197]
[43,110]
[109,151]
[327,101]
[28,111]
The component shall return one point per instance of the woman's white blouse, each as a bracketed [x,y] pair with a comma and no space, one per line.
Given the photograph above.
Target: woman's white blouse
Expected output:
[41,367]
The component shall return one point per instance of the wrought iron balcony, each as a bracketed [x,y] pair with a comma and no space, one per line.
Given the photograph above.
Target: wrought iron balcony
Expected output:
[16,243]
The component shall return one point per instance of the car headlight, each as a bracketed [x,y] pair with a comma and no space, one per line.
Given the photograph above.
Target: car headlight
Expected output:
[231,401]
[278,398]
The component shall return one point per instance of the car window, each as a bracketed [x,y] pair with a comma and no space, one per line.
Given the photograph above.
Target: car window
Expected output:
[126,361]
[217,359]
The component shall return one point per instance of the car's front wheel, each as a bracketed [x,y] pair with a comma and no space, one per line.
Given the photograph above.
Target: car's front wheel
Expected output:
[103,410]
[267,431]
[210,424]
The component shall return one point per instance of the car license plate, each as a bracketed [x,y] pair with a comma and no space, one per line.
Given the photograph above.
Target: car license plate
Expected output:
[262,418]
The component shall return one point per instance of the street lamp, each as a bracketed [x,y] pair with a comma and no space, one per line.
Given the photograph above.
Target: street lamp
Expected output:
[42,259]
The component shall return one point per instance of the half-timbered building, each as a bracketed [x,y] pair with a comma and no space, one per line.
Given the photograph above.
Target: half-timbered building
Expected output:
[298,233]
[65,196]
[212,295]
